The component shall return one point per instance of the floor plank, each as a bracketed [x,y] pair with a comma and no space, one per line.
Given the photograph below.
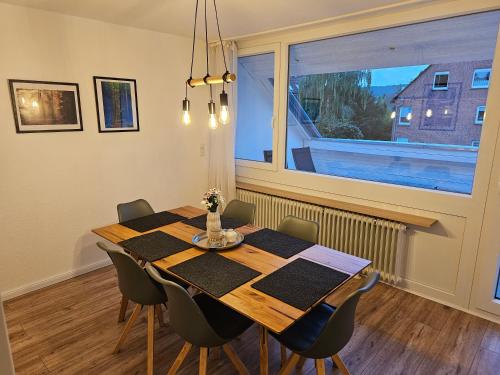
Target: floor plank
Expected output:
[71,328]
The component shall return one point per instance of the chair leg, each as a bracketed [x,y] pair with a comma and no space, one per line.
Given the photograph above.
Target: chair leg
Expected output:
[159,313]
[151,330]
[301,362]
[320,366]
[283,355]
[203,361]
[288,368]
[264,352]
[180,358]
[215,352]
[340,364]
[236,361]
[123,309]
[128,326]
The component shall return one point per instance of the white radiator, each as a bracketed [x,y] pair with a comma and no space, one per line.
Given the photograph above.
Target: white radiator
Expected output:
[381,241]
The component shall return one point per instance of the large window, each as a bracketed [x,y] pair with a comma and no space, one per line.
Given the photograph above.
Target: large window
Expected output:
[394,105]
[254,128]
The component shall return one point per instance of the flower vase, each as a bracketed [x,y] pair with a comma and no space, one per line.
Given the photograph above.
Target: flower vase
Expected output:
[214,229]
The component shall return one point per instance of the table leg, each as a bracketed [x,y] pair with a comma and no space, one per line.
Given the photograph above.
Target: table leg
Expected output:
[264,352]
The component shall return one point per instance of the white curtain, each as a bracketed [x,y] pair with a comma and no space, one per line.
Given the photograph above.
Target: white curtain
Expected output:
[221,172]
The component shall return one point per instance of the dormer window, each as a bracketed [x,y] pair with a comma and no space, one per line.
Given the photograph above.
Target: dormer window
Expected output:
[481,78]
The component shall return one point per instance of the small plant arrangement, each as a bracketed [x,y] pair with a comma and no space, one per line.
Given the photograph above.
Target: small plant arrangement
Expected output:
[212,199]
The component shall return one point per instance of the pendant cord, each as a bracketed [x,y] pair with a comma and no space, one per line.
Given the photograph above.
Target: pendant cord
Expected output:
[211,96]
[206,38]
[194,39]
[220,38]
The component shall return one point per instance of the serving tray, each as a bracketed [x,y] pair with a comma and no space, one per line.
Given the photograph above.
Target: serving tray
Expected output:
[201,240]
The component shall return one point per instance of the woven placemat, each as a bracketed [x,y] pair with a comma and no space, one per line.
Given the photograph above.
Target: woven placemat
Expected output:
[301,283]
[155,245]
[145,223]
[277,243]
[201,222]
[214,274]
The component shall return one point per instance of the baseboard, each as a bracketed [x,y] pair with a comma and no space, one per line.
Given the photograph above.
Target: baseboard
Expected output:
[9,294]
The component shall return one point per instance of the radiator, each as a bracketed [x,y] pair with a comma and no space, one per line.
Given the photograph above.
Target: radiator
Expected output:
[381,241]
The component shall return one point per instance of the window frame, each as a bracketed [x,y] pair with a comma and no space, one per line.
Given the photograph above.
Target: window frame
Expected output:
[408,122]
[402,140]
[478,109]
[434,81]
[475,144]
[261,50]
[474,75]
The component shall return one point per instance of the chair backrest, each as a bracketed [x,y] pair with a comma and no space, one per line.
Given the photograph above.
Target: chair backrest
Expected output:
[133,281]
[242,211]
[133,210]
[185,317]
[303,159]
[296,227]
[268,156]
[339,328]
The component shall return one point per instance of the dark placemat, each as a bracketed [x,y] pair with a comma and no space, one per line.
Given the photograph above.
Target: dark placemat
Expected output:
[301,283]
[155,245]
[277,243]
[214,273]
[145,223]
[201,222]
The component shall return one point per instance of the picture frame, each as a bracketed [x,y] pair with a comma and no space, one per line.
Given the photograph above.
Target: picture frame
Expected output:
[116,104]
[45,106]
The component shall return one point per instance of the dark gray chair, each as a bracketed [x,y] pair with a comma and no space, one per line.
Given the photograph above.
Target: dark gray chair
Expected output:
[129,211]
[241,211]
[323,332]
[133,210]
[268,156]
[306,230]
[136,285]
[303,159]
[201,321]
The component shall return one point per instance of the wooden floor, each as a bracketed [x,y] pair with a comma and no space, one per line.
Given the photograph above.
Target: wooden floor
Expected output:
[71,328]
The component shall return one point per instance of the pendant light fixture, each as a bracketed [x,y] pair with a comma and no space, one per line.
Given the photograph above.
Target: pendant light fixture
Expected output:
[226,78]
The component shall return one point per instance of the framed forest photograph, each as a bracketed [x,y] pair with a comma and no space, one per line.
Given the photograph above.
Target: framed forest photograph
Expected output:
[116,101]
[41,106]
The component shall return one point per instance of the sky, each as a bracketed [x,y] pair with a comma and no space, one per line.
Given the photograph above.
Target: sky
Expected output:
[396,76]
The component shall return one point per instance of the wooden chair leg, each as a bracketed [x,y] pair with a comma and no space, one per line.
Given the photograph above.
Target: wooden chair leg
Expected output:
[159,314]
[236,361]
[151,330]
[123,309]
[215,352]
[340,364]
[180,358]
[320,366]
[203,361]
[128,326]
[301,362]
[283,355]
[264,352]
[290,364]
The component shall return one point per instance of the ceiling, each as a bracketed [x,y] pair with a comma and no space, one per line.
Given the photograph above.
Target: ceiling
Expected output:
[238,17]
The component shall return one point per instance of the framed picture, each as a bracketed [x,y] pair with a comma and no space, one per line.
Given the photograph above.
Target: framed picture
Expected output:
[116,101]
[40,106]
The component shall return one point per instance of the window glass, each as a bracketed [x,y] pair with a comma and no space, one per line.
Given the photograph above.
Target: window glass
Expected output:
[480,114]
[254,128]
[353,100]
[481,78]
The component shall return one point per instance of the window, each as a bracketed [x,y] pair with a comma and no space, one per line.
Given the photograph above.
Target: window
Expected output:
[479,115]
[481,78]
[254,128]
[405,115]
[440,81]
[497,293]
[352,98]
[475,144]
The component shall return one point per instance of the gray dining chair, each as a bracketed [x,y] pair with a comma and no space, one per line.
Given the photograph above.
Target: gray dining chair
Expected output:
[201,321]
[303,159]
[323,332]
[306,230]
[129,211]
[136,285]
[241,211]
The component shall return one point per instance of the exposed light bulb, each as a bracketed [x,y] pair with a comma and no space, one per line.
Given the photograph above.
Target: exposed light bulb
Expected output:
[428,113]
[446,111]
[186,116]
[393,114]
[34,104]
[409,116]
[212,118]
[224,108]
[23,100]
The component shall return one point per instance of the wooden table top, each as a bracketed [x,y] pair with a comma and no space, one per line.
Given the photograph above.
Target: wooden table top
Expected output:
[267,311]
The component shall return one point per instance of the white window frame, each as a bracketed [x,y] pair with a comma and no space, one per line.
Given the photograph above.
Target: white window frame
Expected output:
[434,81]
[407,122]
[474,75]
[260,50]
[479,109]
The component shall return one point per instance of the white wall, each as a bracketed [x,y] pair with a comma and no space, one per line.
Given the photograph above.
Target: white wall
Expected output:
[56,187]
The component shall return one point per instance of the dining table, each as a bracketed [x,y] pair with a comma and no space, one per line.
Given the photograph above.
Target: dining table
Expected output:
[269,312]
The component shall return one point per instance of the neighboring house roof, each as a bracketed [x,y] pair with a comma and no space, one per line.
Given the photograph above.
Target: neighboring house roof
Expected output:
[411,83]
